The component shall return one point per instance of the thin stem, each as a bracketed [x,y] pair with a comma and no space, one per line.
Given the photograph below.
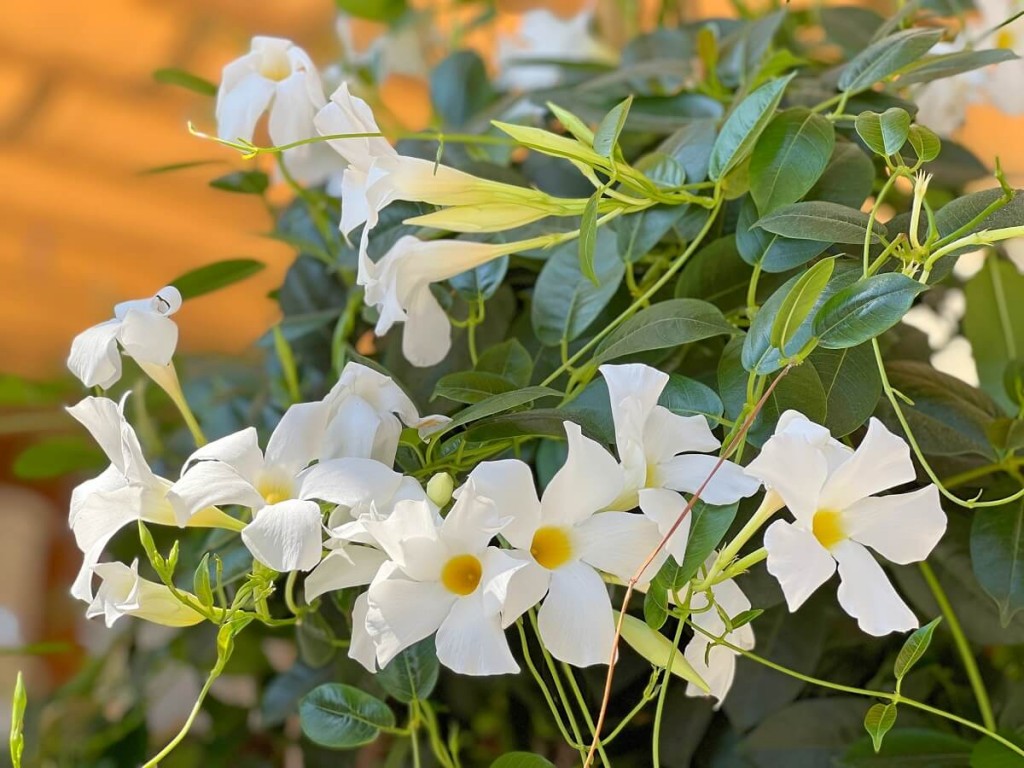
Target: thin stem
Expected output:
[583,707]
[644,701]
[1009,465]
[173,743]
[556,678]
[869,234]
[544,688]
[659,710]
[962,646]
[289,593]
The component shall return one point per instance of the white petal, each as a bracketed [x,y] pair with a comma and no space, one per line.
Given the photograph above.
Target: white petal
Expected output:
[797,560]
[774,466]
[427,336]
[589,480]
[576,620]
[240,450]
[350,482]
[411,538]
[470,640]
[104,420]
[291,114]
[866,593]
[689,471]
[148,337]
[509,484]
[346,113]
[402,612]
[361,646]
[902,527]
[471,523]
[350,566]
[718,672]
[669,433]
[633,392]
[94,356]
[881,461]
[100,517]
[111,479]
[239,108]
[664,507]
[298,436]
[286,536]
[617,542]
[526,588]
[352,431]
[208,484]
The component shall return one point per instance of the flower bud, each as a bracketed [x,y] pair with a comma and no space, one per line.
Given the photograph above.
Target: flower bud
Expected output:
[440,487]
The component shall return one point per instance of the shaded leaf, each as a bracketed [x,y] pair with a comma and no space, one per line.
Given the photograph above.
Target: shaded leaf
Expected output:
[743,127]
[886,57]
[666,324]
[789,158]
[213,277]
[342,717]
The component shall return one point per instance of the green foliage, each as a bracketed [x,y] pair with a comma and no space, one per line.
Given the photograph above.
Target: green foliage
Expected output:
[884,133]
[879,721]
[339,716]
[213,277]
[913,649]
[186,80]
[789,158]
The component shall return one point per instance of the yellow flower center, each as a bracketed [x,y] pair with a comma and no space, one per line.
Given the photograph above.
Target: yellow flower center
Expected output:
[275,65]
[275,489]
[827,527]
[1005,39]
[551,547]
[461,574]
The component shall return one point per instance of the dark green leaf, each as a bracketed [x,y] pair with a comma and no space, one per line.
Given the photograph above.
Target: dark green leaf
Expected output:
[213,277]
[989,753]
[57,456]
[339,716]
[412,674]
[879,721]
[315,640]
[656,601]
[884,133]
[243,182]
[994,323]
[799,303]
[910,748]
[825,222]
[708,526]
[639,232]
[930,68]
[498,404]
[606,137]
[927,145]
[688,397]
[459,88]
[375,10]
[483,282]
[187,80]
[667,324]
[997,555]
[522,760]
[913,648]
[773,252]
[847,178]
[851,383]
[588,237]
[510,360]
[864,310]
[885,57]
[789,158]
[472,386]
[744,126]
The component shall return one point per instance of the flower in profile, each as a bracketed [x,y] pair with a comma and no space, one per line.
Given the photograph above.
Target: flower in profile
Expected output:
[838,517]
[127,491]
[122,592]
[564,540]
[444,578]
[142,328]
[278,77]
[663,453]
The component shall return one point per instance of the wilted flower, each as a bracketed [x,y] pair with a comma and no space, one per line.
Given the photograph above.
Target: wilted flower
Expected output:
[122,592]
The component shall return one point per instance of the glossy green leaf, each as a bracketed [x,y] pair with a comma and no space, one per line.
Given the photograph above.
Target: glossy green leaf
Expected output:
[510,360]
[186,80]
[886,57]
[879,721]
[412,674]
[926,143]
[789,158]
[472,386]
[997,555]
[588,237]
[851,383]
[914,648]
[606,137]
[339,716]
[688,397]
[799,303]
[708,525]
[884,133]
[930,68]
[994,323]
[847,179]
[522,760]
[666,324]
[744,126]
[773,252]
[498,404]
[825,222]
[865,309]
[213,277]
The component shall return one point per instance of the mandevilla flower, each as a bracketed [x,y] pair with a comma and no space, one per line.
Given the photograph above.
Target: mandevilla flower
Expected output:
[122,592]
[142,328]
[564,539]
[830,489]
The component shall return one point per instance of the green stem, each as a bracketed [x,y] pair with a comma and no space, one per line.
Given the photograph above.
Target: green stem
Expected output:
[752,292]
[659,709]
[556,678]
[644,701]
[173,743]
[1009,465]
[962,646]
[771,504]
[873,215]
[544,689]
[584,708]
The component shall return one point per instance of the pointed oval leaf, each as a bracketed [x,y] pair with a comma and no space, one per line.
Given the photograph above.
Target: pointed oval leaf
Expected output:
[948,64]
[510,360]
[472,386]
[412,674]
[799,303]
[825,222]
[606,137]
[522,760]
[879,721]
[339,716]
[789,158]
[997,556]
[884,133]
[884,58]
[744,126]
[926,143]
[213,277]
[667,324]
[865,309]
[657,648]
[914,647]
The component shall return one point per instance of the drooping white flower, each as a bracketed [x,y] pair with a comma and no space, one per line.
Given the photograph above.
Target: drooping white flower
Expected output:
[565,540]
[399,286]
[365,414]
[719,669]
[443,578]
[127,491]
[286,532]
[278,77]
[524,58]
[142,328]
[122,592]
[663,453]
[830,489]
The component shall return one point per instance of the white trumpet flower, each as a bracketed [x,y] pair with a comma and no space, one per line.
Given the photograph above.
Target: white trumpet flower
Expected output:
[564,540]
[838,517]
[143,330]
[122,592]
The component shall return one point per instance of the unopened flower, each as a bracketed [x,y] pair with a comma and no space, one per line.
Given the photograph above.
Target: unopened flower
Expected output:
[663,453]
[142,328]
[444,579]
[122,592]
[830,489]
[564,540]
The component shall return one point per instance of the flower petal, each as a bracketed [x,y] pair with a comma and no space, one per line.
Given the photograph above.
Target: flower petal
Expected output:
[349,566]
[94,357]
[774,467]
[617,542]
[576,620]
[208,484]
[526,588]
[664,507]
[148,337]
[633,392]
[471,523]
[589,480]
[350,482]
[427,335]
[240,107]
[286,536]
[689,471]
[470,640]
[402,612]
[866,593]
[361,646]
[669,433]
[797,560]
[902,527]
[509,484]
[298,436]
[240,450]
[352,431]
[881,461]
[719,671]
[411,538]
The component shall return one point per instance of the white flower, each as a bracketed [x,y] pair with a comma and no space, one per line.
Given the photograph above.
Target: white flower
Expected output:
[286,532]
[444,578]
[662,453]
[279,77]
[829,490]
[720,668]
[366,411]
[122,592]
[399,286]
[543,36]
[142,328]
[127,491]
[565,540]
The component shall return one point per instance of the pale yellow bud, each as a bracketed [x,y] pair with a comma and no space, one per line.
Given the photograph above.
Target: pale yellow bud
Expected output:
[440,487]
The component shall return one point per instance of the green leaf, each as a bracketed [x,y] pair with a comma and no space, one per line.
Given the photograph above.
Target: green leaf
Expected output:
[412,674]
[656,603]
[708,525]
[913,648]
[588,237]
[472,386]
[997,555]
[757,246]
[315,639]
[384,11]
[57,456]
[989,753]
[688,397]
[606,138]
[930,68]
[852,386]
[339,716]
[243,182]
[639,232]
[927,145]
[459,87]
[789,158]
[19,702]
[522,760]
[510,360]
[744,126]
[657,649]
[865,309]
[847,179]
[213,277]
[497,404]
[565,301]
[201,581]
[187,80]
[666,324]
[884,133]
[910,748]
[994,323]
[884,58]
[826,222]
[572,124]
[799,303]
[879,721]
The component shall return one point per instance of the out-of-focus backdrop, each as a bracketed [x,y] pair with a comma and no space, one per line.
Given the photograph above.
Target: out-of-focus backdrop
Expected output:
[82,225]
